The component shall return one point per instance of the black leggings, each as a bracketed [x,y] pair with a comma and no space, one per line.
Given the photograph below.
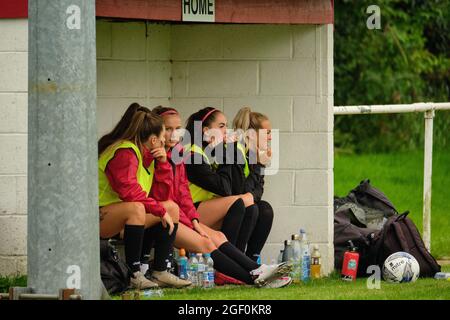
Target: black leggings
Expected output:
[261,230]
[247,226]
[232,222]
[234,263]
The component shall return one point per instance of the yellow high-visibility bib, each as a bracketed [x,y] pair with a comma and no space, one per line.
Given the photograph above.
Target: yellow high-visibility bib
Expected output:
[144,177]
[199,194]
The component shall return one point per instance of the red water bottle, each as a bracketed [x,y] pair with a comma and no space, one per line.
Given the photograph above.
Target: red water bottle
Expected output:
[350,264]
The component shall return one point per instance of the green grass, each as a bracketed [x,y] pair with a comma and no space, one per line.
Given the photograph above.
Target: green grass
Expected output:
[400,177]
[331,288]
[7,282]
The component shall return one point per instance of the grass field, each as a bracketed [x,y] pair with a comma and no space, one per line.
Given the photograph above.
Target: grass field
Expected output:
[331,288]
[400,177]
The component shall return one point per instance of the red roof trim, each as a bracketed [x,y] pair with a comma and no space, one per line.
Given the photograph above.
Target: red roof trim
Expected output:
[13,9]
[227,11]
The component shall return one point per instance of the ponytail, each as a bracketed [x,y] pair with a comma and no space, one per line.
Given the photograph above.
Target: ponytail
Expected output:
[245,119]
[242,119]
[142,125]
[121,127]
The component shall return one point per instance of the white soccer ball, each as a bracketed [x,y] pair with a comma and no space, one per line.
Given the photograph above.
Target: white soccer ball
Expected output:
[401,267]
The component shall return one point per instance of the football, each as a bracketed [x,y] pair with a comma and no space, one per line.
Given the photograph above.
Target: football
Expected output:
[401,267]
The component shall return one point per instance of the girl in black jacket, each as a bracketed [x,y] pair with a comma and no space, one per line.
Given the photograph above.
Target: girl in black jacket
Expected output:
[257,129]
[210,173]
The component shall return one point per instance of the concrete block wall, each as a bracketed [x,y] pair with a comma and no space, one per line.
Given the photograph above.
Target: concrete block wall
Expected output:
[283,71]
[13,141]
[133,65]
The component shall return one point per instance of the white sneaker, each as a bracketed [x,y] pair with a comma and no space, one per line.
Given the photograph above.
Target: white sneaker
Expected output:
[268,273]
[278,283]
[166,279]
[139,281]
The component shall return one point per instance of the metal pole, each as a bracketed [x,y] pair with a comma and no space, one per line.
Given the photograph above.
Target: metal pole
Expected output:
[427,174]
[390,108]
[63,229]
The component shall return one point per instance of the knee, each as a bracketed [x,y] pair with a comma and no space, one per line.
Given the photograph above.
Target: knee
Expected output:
[252,211]
[137,212]
[238,202]
[173,210]
[207,246]
[221,237]
[248,199]
[265,211]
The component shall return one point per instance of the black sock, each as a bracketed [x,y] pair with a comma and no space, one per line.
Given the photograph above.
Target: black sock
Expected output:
[163,246]
[147,244]
[132,239]
[233,220]
[261,231]
[227,266]
[238,256]
[248,224]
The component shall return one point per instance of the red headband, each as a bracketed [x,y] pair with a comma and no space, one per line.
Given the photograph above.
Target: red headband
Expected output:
[168,112]
[208,114]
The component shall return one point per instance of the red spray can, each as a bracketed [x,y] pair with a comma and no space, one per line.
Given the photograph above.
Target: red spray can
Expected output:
[350,264]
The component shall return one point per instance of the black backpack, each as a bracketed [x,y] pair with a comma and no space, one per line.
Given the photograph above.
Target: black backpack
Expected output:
[359,217]
[114,272]
[368,205]
[396,232]
[400,234]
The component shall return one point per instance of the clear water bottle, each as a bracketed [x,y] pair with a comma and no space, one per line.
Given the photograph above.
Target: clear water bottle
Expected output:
[305,257]
[288,252]
[182,265]
[296,246]
[280,257]
[209,272]
[442,276]
[200,269]
[149,294]
[192,270]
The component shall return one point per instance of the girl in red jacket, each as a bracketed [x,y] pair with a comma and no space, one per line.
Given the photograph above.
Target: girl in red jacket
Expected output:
[124,185]
[195,236]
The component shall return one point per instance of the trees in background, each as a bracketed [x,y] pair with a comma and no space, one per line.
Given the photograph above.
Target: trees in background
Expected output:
[406,61]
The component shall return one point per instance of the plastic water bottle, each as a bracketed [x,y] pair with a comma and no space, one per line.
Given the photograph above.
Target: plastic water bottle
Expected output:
[200,269]
[305,257]
[209,272]
[296,270]
[280,257]
[288,252]
[192,270]
[148,294]
[442,276]
[182,265]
